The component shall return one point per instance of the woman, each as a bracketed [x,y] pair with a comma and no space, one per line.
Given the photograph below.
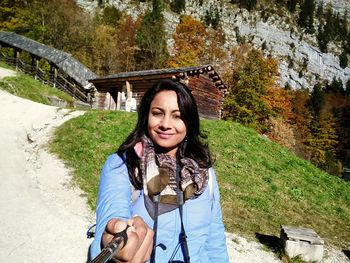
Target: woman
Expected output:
[164,151]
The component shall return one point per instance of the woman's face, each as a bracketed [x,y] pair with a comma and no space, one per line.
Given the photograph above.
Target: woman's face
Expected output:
[165,126]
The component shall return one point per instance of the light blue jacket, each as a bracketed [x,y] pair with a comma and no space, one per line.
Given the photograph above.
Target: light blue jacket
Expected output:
[202,217]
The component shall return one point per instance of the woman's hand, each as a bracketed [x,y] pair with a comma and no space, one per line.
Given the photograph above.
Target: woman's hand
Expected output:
[138,248]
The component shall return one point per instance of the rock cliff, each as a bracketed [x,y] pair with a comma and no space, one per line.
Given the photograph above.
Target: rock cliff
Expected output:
[301,63]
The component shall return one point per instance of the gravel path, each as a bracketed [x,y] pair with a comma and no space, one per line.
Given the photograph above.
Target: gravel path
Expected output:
[43,217]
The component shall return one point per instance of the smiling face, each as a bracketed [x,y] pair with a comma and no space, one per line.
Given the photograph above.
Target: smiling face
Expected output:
[165,126]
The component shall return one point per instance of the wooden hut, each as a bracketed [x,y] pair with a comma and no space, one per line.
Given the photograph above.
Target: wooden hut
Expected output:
[115,91]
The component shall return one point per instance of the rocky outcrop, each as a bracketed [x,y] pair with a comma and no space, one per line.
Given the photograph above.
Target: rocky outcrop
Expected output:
[301,63]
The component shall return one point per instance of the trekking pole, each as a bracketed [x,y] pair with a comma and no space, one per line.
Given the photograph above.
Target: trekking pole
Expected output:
[112,247]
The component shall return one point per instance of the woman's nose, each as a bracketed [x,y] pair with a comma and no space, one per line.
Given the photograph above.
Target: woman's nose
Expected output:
[165,122]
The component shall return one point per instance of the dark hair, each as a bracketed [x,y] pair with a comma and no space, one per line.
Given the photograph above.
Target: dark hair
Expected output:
[194,147]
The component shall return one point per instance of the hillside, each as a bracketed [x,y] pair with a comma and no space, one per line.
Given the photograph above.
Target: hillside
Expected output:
[262,184]
[270,29]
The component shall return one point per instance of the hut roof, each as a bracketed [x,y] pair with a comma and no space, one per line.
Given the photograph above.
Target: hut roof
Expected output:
[147,78]
[62,60]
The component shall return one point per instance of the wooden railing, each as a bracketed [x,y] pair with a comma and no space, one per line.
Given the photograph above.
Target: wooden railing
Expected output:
[57,81]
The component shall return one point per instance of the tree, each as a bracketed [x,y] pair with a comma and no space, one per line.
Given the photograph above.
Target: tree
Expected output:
[322,139]
[279,101]
[336,86]
[215,52]
[126,44]
[252,76]
[14,16]
[347,89]
[317,100]
[104,52]
[150,39]
[190,36]
[291,5]
[212,17]
[178,6]
[110,16]
[306,16]
[301,120]
[248,4]
[322,38]
[343,60]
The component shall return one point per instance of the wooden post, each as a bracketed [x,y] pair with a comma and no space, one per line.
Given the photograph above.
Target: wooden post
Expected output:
[129,100]
[128,90]
[119,98]
[50,73]
[55,77]
[16,58]
[32,65]
[36,68]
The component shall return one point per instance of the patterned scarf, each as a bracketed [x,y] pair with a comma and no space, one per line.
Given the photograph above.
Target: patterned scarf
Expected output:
[159,177]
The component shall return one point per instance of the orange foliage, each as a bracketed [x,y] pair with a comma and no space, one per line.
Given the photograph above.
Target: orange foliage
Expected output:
[215,53]
[279,101]
[126,44]
[281,132]
[189,37]
[334,100]
[302,116]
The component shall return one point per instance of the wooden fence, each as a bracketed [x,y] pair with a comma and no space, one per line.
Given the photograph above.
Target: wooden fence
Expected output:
[54,79]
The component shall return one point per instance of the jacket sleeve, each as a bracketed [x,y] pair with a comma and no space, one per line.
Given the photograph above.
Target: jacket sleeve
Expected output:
[216,241]
[114,198]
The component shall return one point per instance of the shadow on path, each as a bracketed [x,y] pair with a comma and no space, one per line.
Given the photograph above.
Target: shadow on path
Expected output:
[346,253]
[272,242]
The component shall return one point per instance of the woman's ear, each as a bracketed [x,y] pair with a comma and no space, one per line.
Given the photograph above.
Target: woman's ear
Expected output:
[139,149]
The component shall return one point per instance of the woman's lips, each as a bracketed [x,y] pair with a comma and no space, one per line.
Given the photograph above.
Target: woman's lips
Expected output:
[164,135]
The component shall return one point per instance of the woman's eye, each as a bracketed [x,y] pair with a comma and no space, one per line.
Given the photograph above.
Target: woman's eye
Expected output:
[157,113]
[177,116]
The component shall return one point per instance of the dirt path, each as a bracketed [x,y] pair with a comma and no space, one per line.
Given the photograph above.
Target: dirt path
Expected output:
[42,217]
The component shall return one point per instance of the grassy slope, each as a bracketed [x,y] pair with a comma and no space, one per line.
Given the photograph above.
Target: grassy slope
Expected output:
[263,185]
[25,86]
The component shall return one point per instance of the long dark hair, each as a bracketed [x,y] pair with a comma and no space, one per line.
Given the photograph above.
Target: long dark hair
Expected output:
[193,147]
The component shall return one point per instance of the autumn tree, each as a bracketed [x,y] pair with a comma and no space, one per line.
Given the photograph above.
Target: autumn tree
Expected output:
[301,120]
[252,77]
[109,16]
[126,44]
[215,52]
[14,16]
[322,140]
[104,52]
[150,39]
[279,101]
[190,40]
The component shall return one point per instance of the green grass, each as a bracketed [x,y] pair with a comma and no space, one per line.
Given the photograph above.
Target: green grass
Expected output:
[262,184]
[25,86]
